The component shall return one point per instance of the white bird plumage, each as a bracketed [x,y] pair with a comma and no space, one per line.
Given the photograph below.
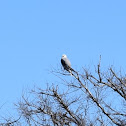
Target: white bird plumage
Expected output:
[66,63]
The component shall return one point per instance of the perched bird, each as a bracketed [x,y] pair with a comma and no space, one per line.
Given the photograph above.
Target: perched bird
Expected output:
[66,64]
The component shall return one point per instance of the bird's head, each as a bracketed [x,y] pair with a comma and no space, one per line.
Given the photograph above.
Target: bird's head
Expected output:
[64,56]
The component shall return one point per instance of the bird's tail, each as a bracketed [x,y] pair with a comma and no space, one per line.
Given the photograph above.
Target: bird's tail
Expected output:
[71,69]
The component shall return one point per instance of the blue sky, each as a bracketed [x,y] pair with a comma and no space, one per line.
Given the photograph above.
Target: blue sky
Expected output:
[35,34]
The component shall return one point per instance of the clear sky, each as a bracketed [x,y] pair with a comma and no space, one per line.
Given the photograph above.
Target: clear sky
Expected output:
[35,33]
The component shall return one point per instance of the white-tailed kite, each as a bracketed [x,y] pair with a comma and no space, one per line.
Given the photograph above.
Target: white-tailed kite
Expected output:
[66,64]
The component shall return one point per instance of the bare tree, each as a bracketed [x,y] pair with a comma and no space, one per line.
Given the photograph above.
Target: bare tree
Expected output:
[87,100]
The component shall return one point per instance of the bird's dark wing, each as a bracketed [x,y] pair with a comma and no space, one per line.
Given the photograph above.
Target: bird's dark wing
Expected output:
[63,63]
